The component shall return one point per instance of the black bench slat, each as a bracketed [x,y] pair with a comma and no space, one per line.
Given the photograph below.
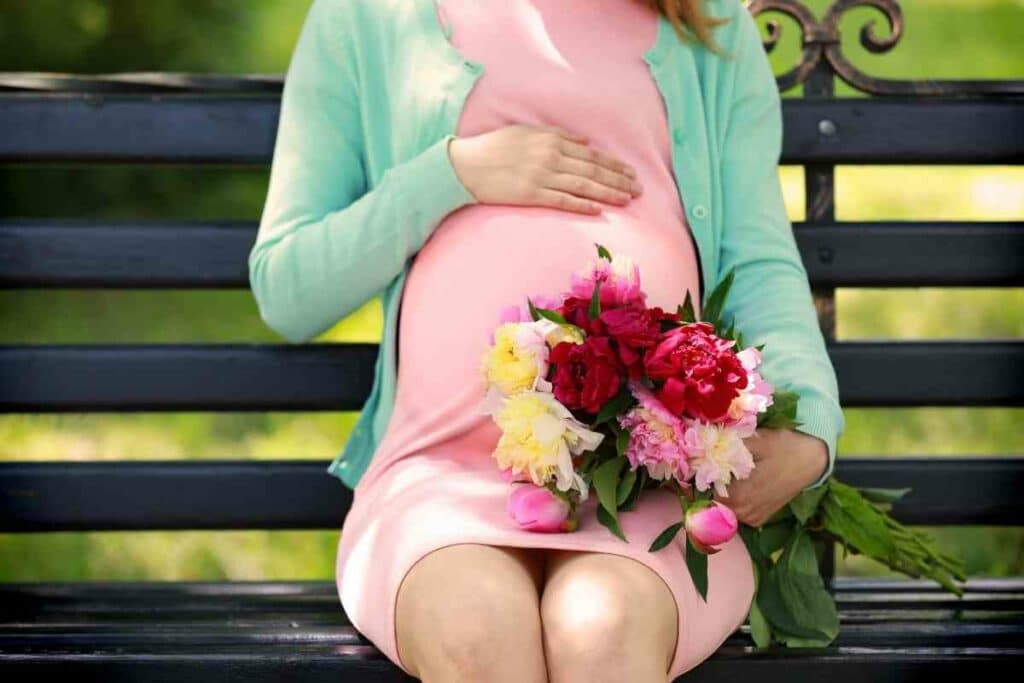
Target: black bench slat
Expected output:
[283,494]
[240,628]
[60,378]
[176,377]
[43,253]
[195,129]
[67,253]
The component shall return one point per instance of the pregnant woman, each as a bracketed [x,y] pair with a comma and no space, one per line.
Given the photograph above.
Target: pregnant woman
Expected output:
[460,155]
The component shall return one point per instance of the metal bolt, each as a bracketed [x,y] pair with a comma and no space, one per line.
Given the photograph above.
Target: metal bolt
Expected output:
[826,127]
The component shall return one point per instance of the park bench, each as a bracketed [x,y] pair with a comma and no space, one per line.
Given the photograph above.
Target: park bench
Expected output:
[273,631]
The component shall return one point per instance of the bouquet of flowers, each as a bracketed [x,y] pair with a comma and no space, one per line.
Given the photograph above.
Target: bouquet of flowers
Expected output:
[594,388]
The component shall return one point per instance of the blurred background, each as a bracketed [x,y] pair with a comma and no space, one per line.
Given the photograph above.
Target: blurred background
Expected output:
[947,39]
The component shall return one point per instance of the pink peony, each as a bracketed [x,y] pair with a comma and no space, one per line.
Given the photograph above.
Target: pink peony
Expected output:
[657,437]
[537,508]
[708,526]
[619,278]
[752,400]
[717,456]
[521,313]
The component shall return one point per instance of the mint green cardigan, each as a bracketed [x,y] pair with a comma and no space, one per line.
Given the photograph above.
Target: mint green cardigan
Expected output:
[361,176]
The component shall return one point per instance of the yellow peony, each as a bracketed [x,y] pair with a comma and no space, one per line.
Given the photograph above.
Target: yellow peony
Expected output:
[518,360]
[539,437]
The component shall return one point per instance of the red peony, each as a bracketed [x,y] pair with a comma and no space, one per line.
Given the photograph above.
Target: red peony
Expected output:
[587,375]
[577,311]
[634,329]
[702,374]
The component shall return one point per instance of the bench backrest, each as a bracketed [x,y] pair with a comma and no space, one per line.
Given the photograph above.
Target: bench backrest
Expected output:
[198,120]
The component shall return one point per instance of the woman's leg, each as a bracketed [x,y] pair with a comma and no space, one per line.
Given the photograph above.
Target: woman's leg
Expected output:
[471,612]
[606,617]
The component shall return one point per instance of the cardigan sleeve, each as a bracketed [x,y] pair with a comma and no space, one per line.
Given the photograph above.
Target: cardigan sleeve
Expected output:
[327,242]
[770,298]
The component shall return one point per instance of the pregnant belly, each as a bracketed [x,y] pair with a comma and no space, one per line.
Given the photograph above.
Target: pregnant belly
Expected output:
[485,257]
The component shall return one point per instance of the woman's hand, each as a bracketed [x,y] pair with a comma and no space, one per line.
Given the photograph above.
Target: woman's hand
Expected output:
[785,462]
[541,166]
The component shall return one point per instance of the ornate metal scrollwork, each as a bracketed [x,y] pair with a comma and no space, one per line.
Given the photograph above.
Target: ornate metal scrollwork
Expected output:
[821,41]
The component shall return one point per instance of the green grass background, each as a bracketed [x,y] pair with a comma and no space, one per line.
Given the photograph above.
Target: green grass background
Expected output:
[954,39]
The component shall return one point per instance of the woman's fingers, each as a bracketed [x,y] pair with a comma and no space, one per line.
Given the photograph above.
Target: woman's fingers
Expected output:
[583,152]
[564,200]
[601,174]
[541,166]
[583,186]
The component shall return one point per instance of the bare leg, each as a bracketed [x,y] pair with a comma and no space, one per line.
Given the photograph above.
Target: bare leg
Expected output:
[471,612]
[606,617]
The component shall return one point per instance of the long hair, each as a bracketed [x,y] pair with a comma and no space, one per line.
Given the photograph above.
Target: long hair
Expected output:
[689,21]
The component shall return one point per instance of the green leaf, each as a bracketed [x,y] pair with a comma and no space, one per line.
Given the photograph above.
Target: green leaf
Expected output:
[781,414]
[553,316]
[750,539]
[615,405]
[686,310]
[782,513]
[603,253]
[625,486]
[622,440]
[638,488]
[716,300]
[605,518]
[606,483]
[772,537]
[883,495]
[793,598]
[697,563]
[595,302]
[760,631]
[805,504]
[730,333]
[665,537]
[849,516]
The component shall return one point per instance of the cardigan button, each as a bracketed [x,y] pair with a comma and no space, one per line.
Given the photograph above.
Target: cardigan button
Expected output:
[700,211]
[677,135]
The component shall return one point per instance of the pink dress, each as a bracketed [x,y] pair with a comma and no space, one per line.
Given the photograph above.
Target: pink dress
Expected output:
[433,481]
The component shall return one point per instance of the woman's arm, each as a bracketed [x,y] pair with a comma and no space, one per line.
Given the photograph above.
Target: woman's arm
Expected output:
[771,296]
[325,244]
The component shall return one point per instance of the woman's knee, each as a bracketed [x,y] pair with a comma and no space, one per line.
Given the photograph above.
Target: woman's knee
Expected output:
[605,611]
[472,611]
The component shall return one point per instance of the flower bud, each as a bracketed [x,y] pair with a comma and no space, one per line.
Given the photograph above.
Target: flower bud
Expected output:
[537,508]
[710,525]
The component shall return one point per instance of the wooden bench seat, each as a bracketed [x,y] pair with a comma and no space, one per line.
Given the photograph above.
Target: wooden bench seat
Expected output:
[275,631]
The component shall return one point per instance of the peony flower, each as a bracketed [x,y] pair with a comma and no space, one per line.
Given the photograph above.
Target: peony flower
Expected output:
[717,456]
[518,360]
[701,373]
[539,437]
[586,375]
[656,437]
[710,525]
[619,278]
[754,398]
[521,314]
[634,329]
[537,508]
[576,311]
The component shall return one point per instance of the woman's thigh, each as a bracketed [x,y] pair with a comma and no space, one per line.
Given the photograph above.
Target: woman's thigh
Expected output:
[467,600]
[605,610]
